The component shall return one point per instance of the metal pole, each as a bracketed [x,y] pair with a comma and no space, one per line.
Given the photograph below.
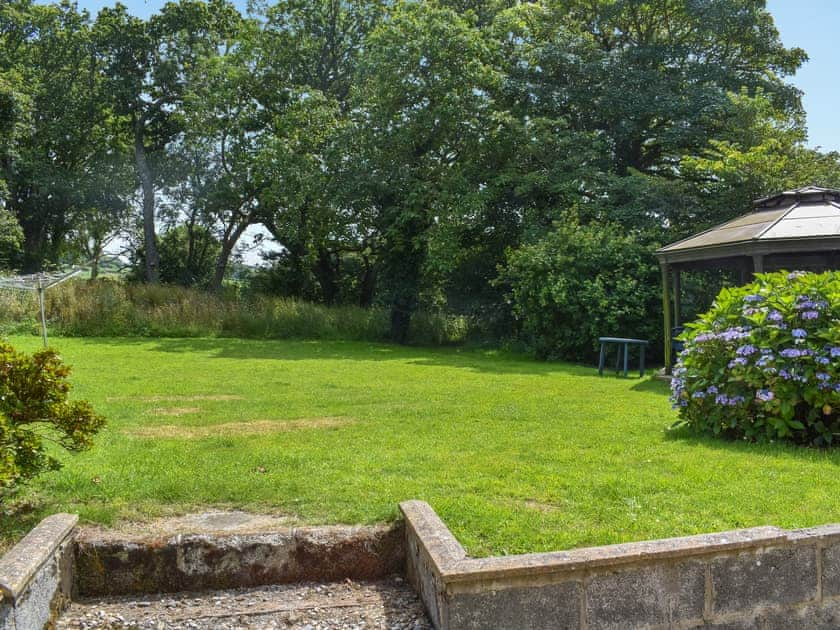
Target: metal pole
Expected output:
[43,312]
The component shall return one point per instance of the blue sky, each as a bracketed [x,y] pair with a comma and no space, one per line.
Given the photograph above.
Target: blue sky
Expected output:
[809,24]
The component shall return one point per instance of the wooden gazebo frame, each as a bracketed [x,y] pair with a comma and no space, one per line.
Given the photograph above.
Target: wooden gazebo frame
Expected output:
[795,229]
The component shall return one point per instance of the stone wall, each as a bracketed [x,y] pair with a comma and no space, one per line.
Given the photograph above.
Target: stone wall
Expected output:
[36,575]
[763,578]
[194,562]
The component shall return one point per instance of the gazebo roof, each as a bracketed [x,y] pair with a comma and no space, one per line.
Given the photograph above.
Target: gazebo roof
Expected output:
[793,221]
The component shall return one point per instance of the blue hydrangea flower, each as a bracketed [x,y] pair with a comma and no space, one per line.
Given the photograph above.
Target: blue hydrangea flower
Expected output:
[747,350]
[775,316]
[765,394]
[753,298]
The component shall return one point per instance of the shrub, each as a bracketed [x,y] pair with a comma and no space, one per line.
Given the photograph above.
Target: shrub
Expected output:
[764,363]
[34,409]
[580,283]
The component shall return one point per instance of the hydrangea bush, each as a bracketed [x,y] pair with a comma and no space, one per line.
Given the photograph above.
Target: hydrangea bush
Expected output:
[764,363]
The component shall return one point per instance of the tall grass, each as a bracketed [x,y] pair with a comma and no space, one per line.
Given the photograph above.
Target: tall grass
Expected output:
[108,308]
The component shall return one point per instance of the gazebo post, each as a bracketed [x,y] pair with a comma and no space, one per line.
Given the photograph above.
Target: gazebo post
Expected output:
[758,263]
[666,311]
[677,279]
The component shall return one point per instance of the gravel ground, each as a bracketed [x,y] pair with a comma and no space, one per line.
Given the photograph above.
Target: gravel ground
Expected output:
[348,605]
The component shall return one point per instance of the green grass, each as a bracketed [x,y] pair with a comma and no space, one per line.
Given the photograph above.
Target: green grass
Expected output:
[515,455]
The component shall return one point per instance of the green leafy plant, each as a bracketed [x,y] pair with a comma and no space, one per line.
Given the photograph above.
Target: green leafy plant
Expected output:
[581,282]
[34,410]
[764,363]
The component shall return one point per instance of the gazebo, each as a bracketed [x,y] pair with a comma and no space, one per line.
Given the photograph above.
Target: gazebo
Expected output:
[795,229]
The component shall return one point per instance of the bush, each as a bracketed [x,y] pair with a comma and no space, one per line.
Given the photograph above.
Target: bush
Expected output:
[580,283]
[34,408]
[764,363]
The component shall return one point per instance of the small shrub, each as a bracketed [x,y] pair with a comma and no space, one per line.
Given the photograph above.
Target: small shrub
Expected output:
[34,409]
[764,363]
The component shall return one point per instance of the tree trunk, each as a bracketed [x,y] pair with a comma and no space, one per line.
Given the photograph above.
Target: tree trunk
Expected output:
[367,283]
[94,261]
[228,243]
[327,276]
[147,184]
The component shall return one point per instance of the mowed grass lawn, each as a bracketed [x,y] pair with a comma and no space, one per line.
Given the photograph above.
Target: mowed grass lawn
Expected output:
[515,455]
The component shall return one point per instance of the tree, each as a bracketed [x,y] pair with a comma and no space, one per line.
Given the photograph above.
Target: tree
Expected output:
[11,241]
[149,69]
[423,106]
[50,50]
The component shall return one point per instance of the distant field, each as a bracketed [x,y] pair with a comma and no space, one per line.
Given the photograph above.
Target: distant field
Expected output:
[515,455]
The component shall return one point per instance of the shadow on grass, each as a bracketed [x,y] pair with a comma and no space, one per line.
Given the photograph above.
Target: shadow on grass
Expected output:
[486,361]
[16,519]
[653,386]
[686,435]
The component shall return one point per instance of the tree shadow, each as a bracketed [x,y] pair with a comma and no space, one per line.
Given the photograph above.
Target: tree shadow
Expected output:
[475,359]
[17,519]
[686,435]
[653,386]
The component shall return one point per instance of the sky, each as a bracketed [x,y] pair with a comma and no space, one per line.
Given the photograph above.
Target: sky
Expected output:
[809,24]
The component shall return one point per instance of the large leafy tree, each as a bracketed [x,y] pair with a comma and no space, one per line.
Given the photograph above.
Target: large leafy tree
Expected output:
[52,165]
[149,69]
[424,106]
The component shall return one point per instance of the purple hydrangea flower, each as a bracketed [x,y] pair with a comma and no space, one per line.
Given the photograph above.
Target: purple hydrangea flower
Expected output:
[790,353]
[722,399]
[747,350]
[775,316]
[822,376]
[809,314]
[737,361]
[711,389]
[753,298]
[835,352]
[823,360]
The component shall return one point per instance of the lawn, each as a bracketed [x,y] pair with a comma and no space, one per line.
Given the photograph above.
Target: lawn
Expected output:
[515,455]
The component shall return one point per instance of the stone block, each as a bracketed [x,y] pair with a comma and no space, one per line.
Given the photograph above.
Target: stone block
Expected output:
[774,577]
[813,617]
[551,606]
[646,596]
[831,571]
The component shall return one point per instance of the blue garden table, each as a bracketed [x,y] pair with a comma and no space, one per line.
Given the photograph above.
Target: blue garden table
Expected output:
[619,341]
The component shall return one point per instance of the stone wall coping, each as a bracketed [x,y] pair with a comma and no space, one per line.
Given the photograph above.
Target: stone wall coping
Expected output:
[444,550]
[453,565]
[22,562]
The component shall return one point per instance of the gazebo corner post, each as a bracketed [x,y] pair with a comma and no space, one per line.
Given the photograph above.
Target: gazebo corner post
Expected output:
[676,284]
[666,312]
[758,263]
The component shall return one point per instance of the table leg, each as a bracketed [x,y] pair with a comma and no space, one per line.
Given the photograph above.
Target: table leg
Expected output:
[626,345]
[617,357]
[601,359]
[642,361]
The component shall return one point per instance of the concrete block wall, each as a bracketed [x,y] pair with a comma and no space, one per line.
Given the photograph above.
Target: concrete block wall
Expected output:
[36,575]
[763,578]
